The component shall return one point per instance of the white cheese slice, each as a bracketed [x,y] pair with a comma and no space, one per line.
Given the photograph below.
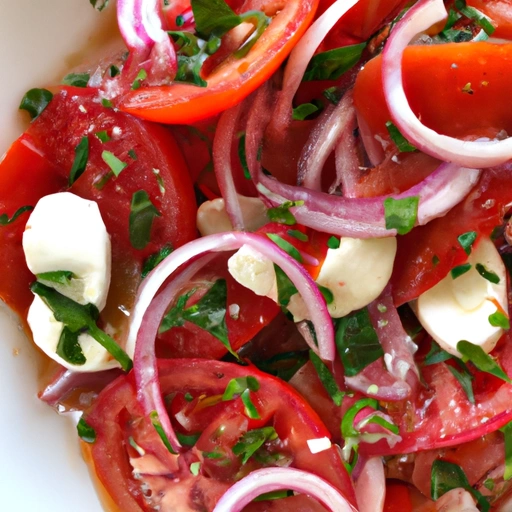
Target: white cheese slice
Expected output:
[458,309]
[67,233]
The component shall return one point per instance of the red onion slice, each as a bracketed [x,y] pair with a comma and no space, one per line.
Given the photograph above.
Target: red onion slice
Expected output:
[487,153]
[371,486]
[224,136]
[302,54]
[274,479]
[364,217]
[141,28]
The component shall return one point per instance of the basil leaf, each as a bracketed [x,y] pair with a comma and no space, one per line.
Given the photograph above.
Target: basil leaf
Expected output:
[460,270]
[332,64]
[78,318]
[35,101]
[403,145]
[484,362]
[446,476]
[303,111]
[152,261]
[436,355]
[401,214]
[498,319]
[333,243]
[99,4]
[507,433]
[357,342]
[487,274]
[286,246]
[69,348]
[465,380]
[283,215]
[466,241]
[192,52]
[285,287]
[76,79]
[238,385]
[283,366]
[213,17]
[80,161]
[5,220]
[142,215]
[252,441]
[85,431]
[155,421]
[103,136]
[116,165]
[174,317]
[299,235]
[327,379]
[59,276]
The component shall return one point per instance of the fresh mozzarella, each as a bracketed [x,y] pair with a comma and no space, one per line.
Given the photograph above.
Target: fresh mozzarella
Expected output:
[67,233]
[212,216]
[458,309]
[355,273]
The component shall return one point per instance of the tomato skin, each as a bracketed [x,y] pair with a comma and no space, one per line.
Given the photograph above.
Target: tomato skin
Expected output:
[43,157]
[234,79]
[397,498]
[434,79]
[277,404]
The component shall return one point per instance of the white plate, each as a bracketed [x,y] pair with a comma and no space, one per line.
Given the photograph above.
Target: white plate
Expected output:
[41,468]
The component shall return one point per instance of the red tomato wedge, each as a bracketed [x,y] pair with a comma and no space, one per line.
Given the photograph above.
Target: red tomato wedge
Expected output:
[456,89]
[39,164]
[195,389]
[233,79]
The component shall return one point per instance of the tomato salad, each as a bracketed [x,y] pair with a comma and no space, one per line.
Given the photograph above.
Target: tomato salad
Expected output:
[266,249]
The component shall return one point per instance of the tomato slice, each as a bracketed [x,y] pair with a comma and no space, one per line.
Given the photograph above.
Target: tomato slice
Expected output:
[500,14]
[43,157]
[436,79]
[195,388]
[233,79]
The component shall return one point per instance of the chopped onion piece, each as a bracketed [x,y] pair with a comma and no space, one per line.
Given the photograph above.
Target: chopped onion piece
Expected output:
[274,479]
[479,153]
[319,445]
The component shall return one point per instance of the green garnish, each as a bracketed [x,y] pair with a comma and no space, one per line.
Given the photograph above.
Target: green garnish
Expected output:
[80,161]
[76,79]
[85,431]
[5,220]
[401,214]
[460,270]
[116,165]
[487,274]
[142,215]
[282,213]
[466,241]
[35,101]
[403,145]
[330,65]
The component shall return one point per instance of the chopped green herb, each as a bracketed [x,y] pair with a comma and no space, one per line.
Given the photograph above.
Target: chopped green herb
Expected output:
[249,407]
[152,261]
[333,242]
[195,467]
[330,65]
[141,76]
[303,111]
[299,235]
[466,241]
[175,317]
[460,270]
[80,161]
[35,101]
[446,476]
[435,260]
[155,421]
[327,379]
[99,4]
[76,79]
[487,274]
[286,246]
[476,16]
[275,495]
[499,319]
[285,287]
[347,423]
[401,214]
[59,276]
[489,484]
[403,145]
[188,397]
[113,71]
[357,342]
[242,387]
[159,180]
[132,154]
[507,433]
[332,94]
[106,103]
[180,21]
[5,220]
[103,136]
[252,441]
[284,365]
[190,440]
[116,165]
[465,380]
[326,293]
[142,215]
[282,213]
[78,318]
[242,156]
[484,362]
[69,348]
[436,355]
[192,52]
[85,431]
